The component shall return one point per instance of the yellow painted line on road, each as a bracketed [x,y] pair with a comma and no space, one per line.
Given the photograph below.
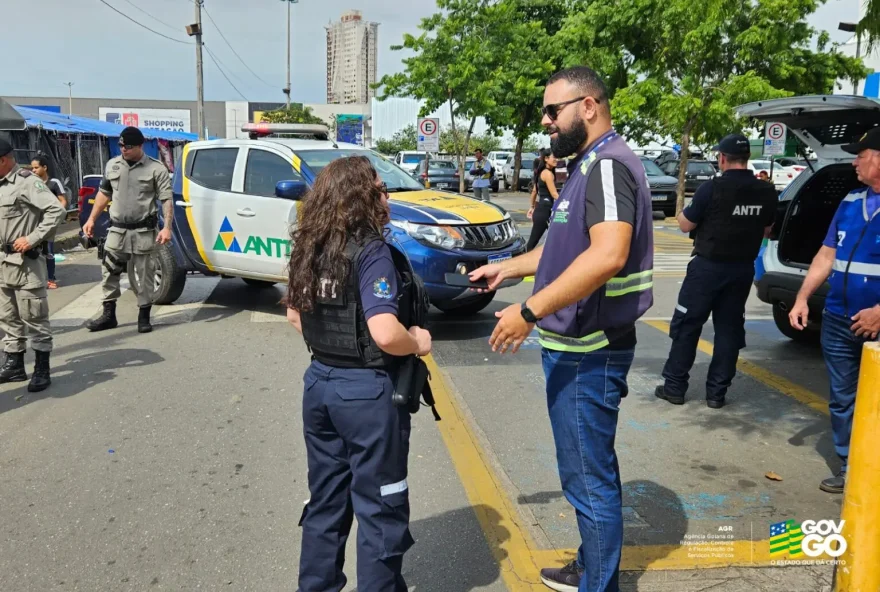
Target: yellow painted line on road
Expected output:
[529,279]
[677,557]
[783,385]
[510,542]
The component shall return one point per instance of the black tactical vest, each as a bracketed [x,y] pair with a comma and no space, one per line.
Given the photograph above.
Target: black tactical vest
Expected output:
[733,227]
[336,329]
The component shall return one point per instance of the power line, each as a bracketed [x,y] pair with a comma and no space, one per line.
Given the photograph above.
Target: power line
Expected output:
[114,9]
[139,9]
[214,59]
[233,49]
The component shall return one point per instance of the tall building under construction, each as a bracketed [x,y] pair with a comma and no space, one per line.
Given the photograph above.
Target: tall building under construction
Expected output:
[351,59]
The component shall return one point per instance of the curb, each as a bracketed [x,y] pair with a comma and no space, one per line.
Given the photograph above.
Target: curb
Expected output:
[67,241]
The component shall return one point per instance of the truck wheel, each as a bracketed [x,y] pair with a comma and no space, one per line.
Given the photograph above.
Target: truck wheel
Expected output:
[466,307]
[780,317]
[169,280]
[258,284]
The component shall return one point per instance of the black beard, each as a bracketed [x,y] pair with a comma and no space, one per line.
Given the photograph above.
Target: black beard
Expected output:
[568,142]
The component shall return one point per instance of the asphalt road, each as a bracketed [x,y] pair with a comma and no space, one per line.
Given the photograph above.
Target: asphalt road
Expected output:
[175,461]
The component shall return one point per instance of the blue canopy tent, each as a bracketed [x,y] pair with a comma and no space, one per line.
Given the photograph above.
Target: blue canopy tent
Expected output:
[71,124]
[79,146]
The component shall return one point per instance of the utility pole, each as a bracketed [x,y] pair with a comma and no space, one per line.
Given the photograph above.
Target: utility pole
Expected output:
[286,89]
[195,30]
[69,86]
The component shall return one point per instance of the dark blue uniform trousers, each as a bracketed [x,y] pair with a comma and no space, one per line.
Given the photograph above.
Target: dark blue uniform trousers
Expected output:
[720,290]
[357,444]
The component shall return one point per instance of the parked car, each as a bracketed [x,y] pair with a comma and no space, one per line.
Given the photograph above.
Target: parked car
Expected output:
[409,160]
[469,179]
[235,201]
[498,159]
[525,171]
[781,176]
[87,193]
[663,188]
[698,172]
[807,207]
[438,174]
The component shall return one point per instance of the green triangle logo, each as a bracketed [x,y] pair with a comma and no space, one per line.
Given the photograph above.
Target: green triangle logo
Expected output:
[218,244]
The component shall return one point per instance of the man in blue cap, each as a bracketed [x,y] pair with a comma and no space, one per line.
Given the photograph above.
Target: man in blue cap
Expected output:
[731,215]
[849,255]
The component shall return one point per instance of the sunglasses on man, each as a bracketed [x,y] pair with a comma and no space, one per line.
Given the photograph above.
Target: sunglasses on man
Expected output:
[552,111]
[127,146]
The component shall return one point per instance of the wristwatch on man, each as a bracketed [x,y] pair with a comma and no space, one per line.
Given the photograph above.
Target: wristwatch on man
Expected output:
[527,314]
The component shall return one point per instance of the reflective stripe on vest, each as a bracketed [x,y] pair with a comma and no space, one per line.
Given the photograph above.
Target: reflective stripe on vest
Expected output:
[588,343]
[634,282]
[869,269]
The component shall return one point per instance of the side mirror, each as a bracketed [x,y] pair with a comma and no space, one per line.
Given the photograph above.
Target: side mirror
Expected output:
[291,190]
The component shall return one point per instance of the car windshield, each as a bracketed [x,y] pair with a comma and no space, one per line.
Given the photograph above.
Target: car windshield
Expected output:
[413,158]
[761,165]
[446,165]
[393,176]
[528,160]
[700,168]
[652,169]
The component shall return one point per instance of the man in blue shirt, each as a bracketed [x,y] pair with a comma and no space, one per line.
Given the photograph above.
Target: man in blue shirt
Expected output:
[850,260]
[482,172]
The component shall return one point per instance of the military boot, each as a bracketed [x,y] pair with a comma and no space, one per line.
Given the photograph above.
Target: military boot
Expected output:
[144,325]
[13,368]
[40,381]
[107,320]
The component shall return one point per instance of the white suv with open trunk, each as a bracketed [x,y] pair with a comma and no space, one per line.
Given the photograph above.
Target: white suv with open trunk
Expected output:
[807,206]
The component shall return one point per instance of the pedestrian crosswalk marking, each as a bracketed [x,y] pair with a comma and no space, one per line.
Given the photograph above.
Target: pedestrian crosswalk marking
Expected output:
[84,308]
[185,308]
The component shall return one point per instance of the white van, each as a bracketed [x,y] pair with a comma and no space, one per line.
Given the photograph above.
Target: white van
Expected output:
[409,160]
[498,159]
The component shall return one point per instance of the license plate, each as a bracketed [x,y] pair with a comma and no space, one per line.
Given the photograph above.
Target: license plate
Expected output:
[499,258]
[703,178]
[658,197]
[442,185]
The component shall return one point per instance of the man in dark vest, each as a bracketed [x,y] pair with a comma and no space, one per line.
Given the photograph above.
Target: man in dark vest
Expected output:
[731,216]
[598,256]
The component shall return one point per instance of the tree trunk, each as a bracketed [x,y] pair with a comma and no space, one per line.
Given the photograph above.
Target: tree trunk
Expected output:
[517,162]
[683,162]
[462,154]
[517,154]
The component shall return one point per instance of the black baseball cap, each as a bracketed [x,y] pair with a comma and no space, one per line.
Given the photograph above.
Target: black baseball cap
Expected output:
[734,145]
[869,141]
[5,147]
[131,136]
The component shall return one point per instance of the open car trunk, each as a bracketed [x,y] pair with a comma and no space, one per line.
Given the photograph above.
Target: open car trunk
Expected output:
[811,211]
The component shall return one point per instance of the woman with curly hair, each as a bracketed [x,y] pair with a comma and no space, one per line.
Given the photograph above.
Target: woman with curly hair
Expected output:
[346,297]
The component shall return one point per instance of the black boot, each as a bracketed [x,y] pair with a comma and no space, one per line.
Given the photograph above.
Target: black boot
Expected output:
[13,368]
[40,381]
[107,320]
[144,325]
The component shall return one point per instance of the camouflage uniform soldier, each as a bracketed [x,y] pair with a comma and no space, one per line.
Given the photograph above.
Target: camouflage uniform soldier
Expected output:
[29,212]
[134,181]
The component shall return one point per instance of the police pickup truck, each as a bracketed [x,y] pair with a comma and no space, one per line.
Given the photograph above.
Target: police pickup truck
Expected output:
[236,200]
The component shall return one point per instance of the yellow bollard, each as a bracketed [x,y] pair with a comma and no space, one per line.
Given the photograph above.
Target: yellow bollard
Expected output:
[861,504]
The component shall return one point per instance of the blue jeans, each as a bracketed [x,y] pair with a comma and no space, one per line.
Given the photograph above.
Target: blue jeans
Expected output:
[583,397]
[50,260]
[843,355]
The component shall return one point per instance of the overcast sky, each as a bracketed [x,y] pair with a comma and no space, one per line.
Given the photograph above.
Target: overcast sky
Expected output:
[105,55]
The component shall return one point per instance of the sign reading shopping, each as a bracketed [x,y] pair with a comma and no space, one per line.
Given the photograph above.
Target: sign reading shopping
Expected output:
[172,120]
[811,538]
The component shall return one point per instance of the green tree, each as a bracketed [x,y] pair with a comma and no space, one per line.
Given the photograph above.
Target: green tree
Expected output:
[296,114]
[449,141]
[682,76]
[403,139]
[451,64]
[527,52]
